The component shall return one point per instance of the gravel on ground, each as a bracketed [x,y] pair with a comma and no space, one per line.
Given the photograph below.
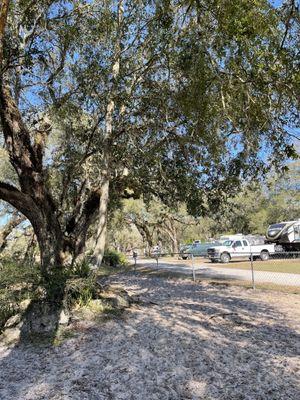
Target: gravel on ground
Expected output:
[183,340]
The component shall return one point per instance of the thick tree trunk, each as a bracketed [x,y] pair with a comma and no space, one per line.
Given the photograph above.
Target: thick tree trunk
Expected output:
[145,233]
[170,229]
[43,222]
[50,245]
[102,223]
[175,246]
[149,240]
[174,238]
[30,250]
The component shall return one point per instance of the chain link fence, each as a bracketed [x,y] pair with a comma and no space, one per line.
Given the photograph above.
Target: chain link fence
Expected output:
[279,270]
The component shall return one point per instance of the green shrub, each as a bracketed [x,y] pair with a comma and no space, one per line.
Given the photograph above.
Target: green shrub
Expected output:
[79,291]
[123,260]
[113,258]
[17,282]
[12,274]
[54,284]
[82,269]
[7,310]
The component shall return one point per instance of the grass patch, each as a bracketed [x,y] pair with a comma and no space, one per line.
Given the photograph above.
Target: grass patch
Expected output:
[291,265]
[285,266]
[106,270]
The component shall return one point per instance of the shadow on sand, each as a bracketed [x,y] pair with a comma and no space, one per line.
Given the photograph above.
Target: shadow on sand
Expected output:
[185,341]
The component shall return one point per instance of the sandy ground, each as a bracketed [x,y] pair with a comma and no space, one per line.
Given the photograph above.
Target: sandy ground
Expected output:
[184,341]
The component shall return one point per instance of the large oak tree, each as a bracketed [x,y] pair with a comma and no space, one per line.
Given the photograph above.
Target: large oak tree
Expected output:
[107,99]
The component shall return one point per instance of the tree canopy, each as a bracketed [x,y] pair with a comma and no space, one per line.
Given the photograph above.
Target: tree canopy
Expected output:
[100,101]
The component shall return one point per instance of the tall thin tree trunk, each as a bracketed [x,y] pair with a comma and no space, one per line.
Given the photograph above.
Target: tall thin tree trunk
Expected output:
[170,229]
[175,245]
[102,223]
[104,184]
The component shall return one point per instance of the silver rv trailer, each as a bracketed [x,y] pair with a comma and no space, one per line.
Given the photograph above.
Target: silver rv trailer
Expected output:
[286,234]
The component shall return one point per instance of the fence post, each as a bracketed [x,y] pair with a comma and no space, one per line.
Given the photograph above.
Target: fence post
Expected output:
[193,267]
[252,270]
[135,257]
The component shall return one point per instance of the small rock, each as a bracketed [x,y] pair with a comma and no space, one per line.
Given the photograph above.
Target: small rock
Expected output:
[24,304]
[64,318]
[13,321]
[11,335]
[41,318]
[118,300]
[96,303]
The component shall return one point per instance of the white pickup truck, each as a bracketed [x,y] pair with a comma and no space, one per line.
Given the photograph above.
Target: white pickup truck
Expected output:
[240,248]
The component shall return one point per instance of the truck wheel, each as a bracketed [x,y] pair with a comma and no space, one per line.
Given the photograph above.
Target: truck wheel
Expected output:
[264,255]
[225,258]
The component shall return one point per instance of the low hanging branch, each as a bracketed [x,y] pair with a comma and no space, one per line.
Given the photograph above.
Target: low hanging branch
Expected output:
[13,223]
[17,199]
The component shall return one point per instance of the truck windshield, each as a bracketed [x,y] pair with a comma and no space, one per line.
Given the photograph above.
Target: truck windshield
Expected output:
[228,243]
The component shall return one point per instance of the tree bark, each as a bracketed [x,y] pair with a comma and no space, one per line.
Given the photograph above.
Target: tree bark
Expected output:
[145,233]
[169,227]
[105,173]
[44,223]
[30,250]
[174,241]
[50,244]
[102,222]
[3,20]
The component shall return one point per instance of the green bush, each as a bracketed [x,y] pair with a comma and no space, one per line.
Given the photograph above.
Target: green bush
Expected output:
[79,291]
[17,283]
[82,269]
[12,274]
[7,310]
[113,258]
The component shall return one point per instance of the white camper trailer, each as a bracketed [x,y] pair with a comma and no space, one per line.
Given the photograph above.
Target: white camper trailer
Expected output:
[286,234]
